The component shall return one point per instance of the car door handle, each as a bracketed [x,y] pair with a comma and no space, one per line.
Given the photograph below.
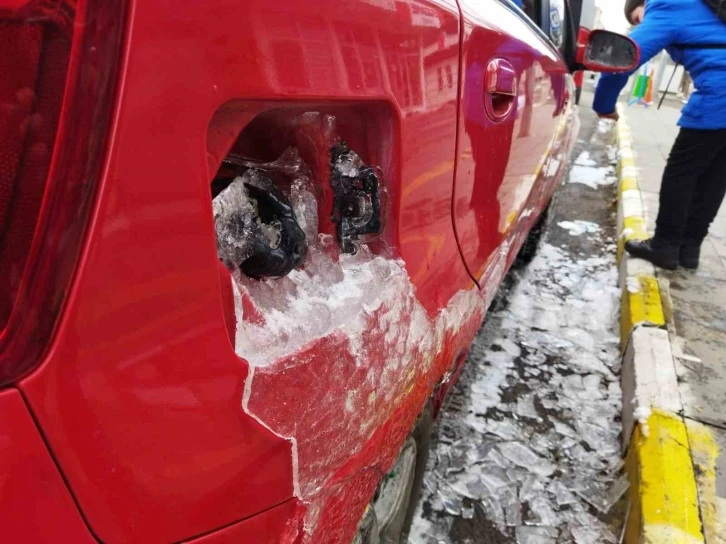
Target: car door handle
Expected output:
[500,89]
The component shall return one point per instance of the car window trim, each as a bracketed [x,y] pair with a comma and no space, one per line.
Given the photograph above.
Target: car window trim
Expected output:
[541,33]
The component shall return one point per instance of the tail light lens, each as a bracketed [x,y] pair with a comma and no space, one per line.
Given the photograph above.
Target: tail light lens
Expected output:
[58,66]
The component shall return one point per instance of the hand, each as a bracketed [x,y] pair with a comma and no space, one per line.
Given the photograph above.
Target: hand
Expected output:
[613,116]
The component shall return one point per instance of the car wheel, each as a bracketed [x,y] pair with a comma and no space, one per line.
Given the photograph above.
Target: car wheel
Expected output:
[389,516]
[531,243]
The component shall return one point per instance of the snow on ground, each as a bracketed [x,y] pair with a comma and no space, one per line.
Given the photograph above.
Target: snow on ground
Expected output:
[527,449]
[578,227]
[583,159]
[604,126]
[591,176]
[585,171]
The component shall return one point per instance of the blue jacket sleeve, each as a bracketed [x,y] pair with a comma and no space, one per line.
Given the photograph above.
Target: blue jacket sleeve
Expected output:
[656,32]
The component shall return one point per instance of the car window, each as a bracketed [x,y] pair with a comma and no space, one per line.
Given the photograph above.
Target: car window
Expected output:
[549,16]
[533,11]
[557,23]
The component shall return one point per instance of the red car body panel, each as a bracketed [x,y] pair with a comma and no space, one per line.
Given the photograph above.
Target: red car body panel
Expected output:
[501,164]
[34,502]
[161,431]
[283,523]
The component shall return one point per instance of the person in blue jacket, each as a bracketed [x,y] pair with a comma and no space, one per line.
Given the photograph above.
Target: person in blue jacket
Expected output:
[694,179]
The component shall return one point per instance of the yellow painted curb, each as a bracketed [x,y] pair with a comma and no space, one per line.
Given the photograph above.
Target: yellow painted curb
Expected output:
[635,224]
[629,183]
[705,452]
[664,503]
[641,302]
[634,228]
[641,306]
[663,494]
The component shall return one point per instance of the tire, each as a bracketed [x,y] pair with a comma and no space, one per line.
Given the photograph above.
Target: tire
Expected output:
[531,243]
[395,526]
[422,435]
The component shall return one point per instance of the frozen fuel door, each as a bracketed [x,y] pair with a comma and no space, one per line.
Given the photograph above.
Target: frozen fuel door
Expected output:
[256,227]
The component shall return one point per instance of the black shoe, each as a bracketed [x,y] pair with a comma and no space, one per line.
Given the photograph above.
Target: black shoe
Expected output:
[660,254]
[690,253]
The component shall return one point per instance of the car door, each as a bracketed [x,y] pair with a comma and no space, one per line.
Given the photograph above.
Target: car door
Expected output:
[511,102]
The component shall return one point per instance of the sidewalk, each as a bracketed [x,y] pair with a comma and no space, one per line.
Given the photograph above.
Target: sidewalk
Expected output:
[697,324]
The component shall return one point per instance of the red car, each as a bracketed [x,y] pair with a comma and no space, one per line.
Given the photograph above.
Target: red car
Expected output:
[244,247]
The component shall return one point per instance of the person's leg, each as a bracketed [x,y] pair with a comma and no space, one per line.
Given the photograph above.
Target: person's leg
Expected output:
[690,156]
[708,196]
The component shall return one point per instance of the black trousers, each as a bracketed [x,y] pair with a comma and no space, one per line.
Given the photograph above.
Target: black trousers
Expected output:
[693,187]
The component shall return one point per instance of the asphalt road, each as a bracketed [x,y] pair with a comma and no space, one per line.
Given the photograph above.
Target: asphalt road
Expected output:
[527,449]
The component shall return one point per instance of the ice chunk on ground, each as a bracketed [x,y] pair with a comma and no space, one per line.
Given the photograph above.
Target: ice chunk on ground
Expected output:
[591,383]
[583,159]
[425,532]
[605,125]
[541,513]
[450,502]
[510,347]
[561,493]
[494,510]
[536,535]
[577,228]
[505,429]
[467,512]
[598,495]
[540,399]
[526,408]
[641,415]
[592,533]
[592,176]
[520,455]
[543,405]
[512,506]
[494,478]
[473,487]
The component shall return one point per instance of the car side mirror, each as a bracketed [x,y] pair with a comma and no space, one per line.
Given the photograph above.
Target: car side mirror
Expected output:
[606,51]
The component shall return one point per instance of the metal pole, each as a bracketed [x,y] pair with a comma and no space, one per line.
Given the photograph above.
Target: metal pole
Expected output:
[660,71]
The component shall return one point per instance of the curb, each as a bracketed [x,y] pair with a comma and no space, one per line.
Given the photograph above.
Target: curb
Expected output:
[663,504]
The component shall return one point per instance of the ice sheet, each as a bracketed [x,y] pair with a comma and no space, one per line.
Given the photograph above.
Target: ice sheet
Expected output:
[350,328]
[542,404]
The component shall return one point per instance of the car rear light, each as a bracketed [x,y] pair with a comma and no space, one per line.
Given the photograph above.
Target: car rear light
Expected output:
[58,67]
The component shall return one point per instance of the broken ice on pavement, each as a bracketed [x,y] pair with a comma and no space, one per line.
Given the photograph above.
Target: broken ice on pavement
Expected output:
[585,171]
[527,449]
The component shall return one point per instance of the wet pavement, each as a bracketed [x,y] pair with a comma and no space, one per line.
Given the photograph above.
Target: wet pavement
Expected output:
[527,449]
